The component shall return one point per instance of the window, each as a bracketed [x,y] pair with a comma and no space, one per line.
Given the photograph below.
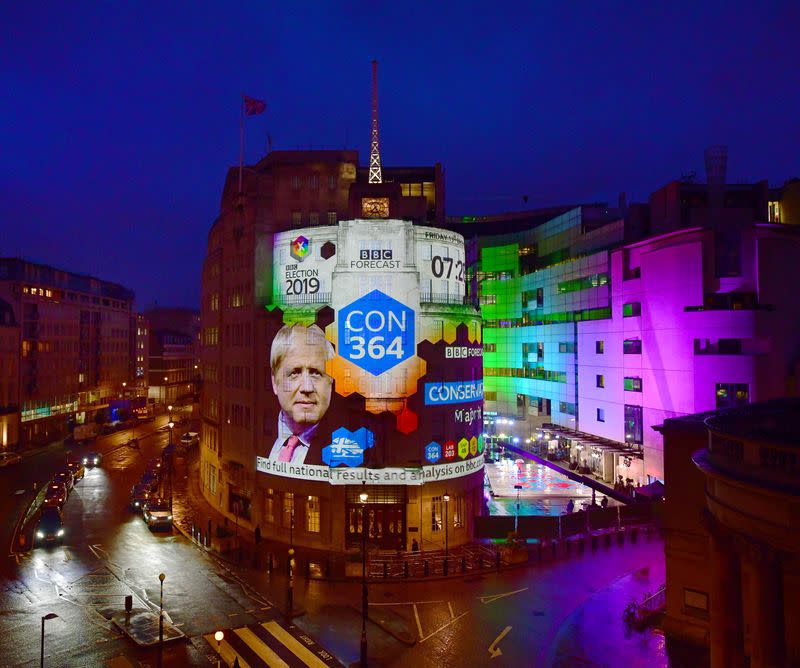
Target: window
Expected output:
[331,182]
[600,380]
[296,181]
[631,309]
[269,505]
[331,218]
[633,424]
[774,212]
[601,414]
[313,218]
[566,347]
[287,517]
[732,394]
[212,478]
[632,347]
[436,514]
[633,384]
[695,603]
[313,182]
[457,506]
[489,347]
[296,217]
[567,407]
[599,347]
[312,514]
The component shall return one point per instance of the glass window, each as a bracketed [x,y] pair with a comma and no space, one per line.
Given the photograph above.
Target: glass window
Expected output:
[631,309]
[601,415]
[287,518]
[436,514]
[600,380]
[599,347]
[633,424]
[332,182]
[312,514]
[269,505]
[457,504]
[296,181]
[633,384]
[313,218]
[296,217]
[331,218]
[732,394]
[632,347]
[313,182]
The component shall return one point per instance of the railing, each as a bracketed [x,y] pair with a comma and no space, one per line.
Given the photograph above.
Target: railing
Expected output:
[446,298]
[315,298]
[471,558]
[641,614]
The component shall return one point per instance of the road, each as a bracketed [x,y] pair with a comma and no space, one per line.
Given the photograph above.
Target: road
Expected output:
[561,613]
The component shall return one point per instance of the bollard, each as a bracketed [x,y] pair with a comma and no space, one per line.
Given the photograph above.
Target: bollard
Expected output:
[192,530]
[405,569]
[426,569]
[463,564]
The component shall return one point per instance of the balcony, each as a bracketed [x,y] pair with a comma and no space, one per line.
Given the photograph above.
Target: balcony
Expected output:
[446,298]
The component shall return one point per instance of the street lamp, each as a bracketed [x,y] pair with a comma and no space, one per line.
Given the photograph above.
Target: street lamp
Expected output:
[290,567]
[49,615]
[170,424]
[364,595]
[517,487]
[446,498]
[165,389]
[161,577]
[218,636]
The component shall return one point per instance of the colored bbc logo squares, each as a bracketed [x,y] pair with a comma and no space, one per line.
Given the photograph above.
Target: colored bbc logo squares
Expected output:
[463,448]
[375,254]
[473,446]
[449,449]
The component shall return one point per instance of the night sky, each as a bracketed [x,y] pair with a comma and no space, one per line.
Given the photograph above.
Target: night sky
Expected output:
[118,120]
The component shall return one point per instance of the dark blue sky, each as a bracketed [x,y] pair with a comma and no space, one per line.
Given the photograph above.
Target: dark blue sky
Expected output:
[118,120]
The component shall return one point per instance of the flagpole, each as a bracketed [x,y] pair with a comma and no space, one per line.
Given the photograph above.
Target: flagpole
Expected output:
[241,143]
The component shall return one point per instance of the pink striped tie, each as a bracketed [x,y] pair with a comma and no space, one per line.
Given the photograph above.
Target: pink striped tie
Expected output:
[288,449]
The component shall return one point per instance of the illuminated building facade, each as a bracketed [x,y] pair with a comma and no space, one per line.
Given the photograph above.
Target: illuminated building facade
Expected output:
[73,346]
[588,328]
[9,376]
[313,191]
[173,344]
[139,356]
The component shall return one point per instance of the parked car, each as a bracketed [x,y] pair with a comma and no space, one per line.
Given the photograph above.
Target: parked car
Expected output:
[9,458]
[66,479]
[50,527]
[139,495]
[92,459]
[156,514]
[154,466]
[190,438]
[151,480]
[56,495]
[75,466]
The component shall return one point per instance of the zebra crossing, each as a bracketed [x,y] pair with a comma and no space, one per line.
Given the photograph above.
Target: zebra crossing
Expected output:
[272,644]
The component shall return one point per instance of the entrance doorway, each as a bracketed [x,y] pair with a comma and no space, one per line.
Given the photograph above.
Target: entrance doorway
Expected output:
[383,517]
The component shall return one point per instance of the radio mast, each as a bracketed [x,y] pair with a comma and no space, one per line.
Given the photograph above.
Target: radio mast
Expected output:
[375,175]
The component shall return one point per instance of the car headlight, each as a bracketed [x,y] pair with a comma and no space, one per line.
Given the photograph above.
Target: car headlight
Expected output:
[136,504]
[169,517]
[96,460]
[61,532]
[85,460]
[40,534]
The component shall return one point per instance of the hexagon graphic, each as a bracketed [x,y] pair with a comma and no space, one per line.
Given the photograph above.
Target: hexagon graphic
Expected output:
[407,421]
[347,447]
[480,443]
[473,446]
[463,448]
[327,250]
[433,452]
[300,248]
[449,449]
[376,332]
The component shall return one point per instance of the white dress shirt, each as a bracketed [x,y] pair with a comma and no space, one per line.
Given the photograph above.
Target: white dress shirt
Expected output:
[284,432]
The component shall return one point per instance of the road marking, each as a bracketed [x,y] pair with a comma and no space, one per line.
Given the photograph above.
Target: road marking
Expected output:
[494,650]
[289,641]
[261,649]
[96,550]
[407,602]
[441,628]
[495,597]
[416,616]
[450,607]
[19,491]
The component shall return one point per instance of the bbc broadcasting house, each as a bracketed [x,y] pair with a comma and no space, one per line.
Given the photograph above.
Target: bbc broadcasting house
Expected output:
[595,325]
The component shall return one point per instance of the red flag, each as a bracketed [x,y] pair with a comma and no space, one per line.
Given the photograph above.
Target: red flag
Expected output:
[253,107]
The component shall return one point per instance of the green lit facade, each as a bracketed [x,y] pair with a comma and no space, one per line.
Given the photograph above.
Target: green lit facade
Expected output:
[535,286]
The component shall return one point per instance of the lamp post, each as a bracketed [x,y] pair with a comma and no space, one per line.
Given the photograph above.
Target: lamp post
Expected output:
[170,424]
[517,487]
[364,595]
[446,498]
[49,615]
[124,385]
[290,567]
[161,577]
[218,636]
[165,390]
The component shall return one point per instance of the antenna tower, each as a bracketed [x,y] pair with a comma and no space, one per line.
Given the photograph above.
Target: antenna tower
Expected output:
[375,175]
